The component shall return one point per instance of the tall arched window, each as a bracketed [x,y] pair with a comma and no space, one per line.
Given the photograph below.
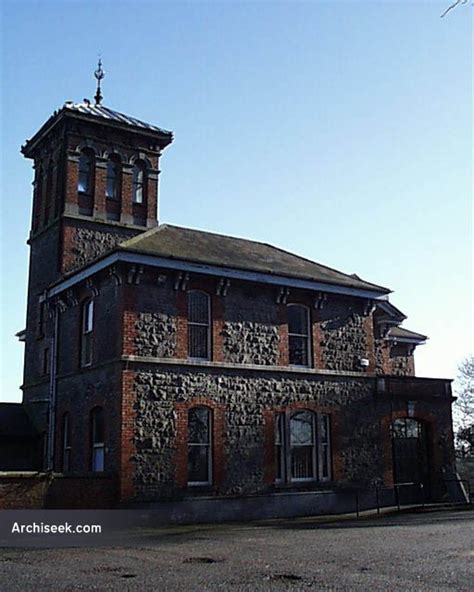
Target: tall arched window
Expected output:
[87,322]
[86,168]
[303,446]
[298,335]
[199,325]
[97,439]
[139,182]
[199,446]
[112,186]
[66,443]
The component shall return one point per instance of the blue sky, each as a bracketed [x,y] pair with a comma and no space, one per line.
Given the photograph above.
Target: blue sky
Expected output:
[337,130]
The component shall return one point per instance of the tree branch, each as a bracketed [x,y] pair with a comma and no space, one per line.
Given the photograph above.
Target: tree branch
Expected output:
[453,5]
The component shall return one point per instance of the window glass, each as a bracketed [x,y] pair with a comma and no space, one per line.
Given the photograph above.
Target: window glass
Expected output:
[87,332]
[280,446]
[199,446]
[325,448]
[406,427]
[198,325]
[84,184]
[198,426]
[298,335]
[297,319]
[98,438]
[113,179]
[302,443]
[139,183]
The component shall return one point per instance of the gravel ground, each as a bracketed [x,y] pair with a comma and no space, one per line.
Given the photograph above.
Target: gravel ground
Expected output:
[431,551]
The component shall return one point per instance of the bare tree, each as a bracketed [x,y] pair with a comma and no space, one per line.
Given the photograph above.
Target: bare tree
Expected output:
[453,5]
[464,406]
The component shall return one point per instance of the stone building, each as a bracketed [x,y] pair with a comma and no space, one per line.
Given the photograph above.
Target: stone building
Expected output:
[184,363]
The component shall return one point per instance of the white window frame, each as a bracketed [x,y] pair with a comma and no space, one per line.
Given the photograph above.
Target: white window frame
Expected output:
[324,448]
[320,448]
[208,446]
[307,337]
[207,325]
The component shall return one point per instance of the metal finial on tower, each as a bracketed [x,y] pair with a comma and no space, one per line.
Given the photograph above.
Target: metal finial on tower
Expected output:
[99,74]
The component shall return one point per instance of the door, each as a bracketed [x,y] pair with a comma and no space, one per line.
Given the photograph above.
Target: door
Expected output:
[410,459]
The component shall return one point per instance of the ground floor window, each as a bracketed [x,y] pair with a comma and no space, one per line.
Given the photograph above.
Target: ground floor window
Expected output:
[98,439]
[302,447]
[199,446]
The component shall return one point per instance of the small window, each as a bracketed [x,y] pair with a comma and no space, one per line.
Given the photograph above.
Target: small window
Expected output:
[66,443]
[199,446]
[298,335]
[84,184]
[199,326]
[112,186]
[87,332]
[98,440]
[139,183]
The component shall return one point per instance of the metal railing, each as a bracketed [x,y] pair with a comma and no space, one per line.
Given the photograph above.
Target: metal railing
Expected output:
[394,496]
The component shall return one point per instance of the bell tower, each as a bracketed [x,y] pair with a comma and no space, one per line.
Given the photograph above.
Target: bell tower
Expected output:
[95,185]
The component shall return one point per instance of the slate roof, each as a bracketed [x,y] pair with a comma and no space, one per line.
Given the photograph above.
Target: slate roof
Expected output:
[402,333]
[102,112]
[14,421]
[197,246]
[87,110]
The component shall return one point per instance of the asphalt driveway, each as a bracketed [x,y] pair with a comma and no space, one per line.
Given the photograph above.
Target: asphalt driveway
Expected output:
[430,551]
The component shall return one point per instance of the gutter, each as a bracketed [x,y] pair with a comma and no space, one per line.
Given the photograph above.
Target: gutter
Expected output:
[179,265]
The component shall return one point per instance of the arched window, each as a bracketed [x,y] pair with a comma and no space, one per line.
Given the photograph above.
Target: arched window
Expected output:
[86,167]
[97,439]
[303,446]
[87,322]
[199,325]
[298,335]
[199,446]
[139,182]
[66,443]
[112,186]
